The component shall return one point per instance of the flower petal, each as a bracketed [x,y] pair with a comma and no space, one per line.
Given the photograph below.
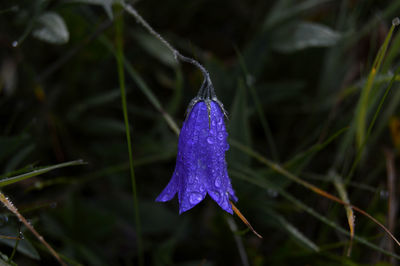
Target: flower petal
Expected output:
[218,184]
[192,189]
[170,190]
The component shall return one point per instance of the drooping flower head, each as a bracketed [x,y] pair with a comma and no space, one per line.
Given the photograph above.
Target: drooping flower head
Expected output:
[200,164]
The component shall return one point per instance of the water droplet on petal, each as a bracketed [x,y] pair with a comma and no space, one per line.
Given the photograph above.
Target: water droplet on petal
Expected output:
[195,198]
[215,195]
[226,146]
[221,135]
[191,179]
[210,140]
[217,182]
[164,198]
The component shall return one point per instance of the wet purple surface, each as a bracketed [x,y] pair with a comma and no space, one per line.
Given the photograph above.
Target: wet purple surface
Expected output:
[200,165]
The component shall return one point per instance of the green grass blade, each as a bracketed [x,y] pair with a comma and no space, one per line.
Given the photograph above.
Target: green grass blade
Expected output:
[377,112]
[341,189]
[121,77]
[18,178]
[265,184]
[264,122]
[309,153]
[279,169]
[294,231]
[364,102]
[144,88]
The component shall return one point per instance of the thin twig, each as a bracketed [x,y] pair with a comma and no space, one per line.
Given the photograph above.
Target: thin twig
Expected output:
[14,210]
[279,169]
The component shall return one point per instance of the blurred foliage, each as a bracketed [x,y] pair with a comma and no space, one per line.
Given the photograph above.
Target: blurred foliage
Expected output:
[290,73]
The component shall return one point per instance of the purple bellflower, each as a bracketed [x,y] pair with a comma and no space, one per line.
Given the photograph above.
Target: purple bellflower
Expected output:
[200,164]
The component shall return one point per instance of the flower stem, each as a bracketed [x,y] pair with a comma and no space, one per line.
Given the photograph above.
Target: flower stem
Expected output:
[207,80]
[10,206]
[121,76]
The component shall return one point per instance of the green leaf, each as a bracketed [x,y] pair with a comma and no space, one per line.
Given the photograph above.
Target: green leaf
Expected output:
[51,28]
[18,178]
[4,261]
[298,36]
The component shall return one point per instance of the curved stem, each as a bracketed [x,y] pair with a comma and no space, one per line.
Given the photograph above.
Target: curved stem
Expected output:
[175,52]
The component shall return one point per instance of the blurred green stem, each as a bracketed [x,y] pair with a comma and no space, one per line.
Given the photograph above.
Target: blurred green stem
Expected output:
[364,102]
[277,168]
[121,76]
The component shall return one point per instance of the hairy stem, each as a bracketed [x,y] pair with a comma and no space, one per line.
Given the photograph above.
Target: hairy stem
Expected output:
[14,210]
[207,80]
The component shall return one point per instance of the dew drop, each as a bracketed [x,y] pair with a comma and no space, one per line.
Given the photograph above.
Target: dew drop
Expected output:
[396,21]
[215,194]
[217,182]
[195,198]
[164,198]
[221,135]
[191,179]
[226,147]
[224,205]
[210,140]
